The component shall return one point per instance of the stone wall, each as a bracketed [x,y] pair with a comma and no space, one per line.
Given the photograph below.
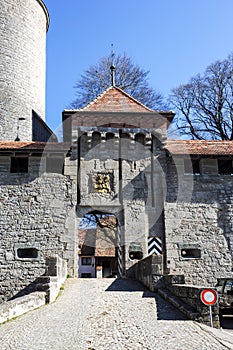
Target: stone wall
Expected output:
[198,225]
[47,289]
[22,71]
[37,220]
[148,270]
[21,305]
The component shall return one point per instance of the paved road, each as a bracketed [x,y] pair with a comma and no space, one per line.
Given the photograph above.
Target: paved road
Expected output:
[105,314]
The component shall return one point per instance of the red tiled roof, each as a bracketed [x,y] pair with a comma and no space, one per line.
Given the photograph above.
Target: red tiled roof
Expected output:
[195,147]
[33,146]
[200,147]
[114,99]
[8,145]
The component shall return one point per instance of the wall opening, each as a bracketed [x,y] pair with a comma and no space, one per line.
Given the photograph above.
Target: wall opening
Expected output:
[191,253]
[19,165]
[27,253]
[97,236]
[192,166]
[225,167]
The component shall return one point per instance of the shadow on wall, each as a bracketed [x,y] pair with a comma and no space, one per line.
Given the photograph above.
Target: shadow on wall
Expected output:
[32,287]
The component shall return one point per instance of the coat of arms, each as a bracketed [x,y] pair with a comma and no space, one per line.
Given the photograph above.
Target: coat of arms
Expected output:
[102,183]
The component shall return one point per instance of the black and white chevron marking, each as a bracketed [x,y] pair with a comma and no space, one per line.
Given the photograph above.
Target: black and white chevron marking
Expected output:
[119,254]
[155,246]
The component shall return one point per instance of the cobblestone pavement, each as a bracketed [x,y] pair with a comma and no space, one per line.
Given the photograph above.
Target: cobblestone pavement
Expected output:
[106,314]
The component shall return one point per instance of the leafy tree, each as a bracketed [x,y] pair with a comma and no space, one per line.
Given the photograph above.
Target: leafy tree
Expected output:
[205,104]
[128,76]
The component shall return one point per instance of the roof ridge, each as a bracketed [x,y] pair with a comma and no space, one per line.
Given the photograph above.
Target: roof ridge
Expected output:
[121,91]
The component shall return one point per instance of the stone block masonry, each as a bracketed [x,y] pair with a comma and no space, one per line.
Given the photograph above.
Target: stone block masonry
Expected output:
[199,230]
[37,220]
[23,25]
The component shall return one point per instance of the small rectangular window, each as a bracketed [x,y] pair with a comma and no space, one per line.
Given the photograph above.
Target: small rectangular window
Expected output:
[191,166]
[19,165]
[86,261]
[27,253]
[191,253]
[225,166]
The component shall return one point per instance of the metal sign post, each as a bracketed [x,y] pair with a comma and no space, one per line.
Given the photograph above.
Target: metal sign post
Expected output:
[211,317]
[209,297]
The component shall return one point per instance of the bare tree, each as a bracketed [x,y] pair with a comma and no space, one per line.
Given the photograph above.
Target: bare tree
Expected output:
[106,224]
[205,104]
[129,77]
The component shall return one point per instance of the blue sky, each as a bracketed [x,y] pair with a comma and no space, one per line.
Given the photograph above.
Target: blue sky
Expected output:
[173,39]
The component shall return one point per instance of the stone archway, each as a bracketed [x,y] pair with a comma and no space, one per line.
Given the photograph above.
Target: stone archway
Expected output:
[98,247]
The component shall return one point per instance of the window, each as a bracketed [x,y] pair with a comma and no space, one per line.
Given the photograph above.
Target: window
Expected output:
[27,253]
[191,253]
[225,166]
[86,275]
[86,261]
[191,166]
[196,166]
[19,165]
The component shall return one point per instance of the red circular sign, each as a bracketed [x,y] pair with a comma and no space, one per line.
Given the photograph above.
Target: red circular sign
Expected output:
[209,296]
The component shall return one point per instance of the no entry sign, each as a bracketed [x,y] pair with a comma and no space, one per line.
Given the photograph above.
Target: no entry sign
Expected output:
[209,297]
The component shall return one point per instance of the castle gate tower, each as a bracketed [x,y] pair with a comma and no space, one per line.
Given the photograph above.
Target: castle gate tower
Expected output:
[23,26]
[118,162]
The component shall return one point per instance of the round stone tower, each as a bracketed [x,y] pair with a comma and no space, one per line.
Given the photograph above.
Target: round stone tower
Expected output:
[23,27]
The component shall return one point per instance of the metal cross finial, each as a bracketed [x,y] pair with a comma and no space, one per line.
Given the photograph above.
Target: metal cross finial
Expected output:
[112,68]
